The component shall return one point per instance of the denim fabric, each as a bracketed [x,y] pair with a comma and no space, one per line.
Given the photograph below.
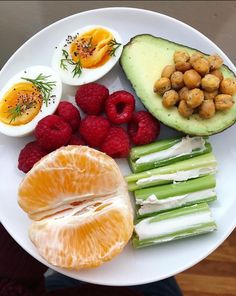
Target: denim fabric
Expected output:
[167,287]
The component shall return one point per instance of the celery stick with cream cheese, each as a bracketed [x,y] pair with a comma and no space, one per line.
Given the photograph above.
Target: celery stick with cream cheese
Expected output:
[162,198]
[165,152]
[179,223]
[176,172]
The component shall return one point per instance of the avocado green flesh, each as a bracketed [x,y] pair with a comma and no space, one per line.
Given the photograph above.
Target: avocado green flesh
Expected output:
[142,60]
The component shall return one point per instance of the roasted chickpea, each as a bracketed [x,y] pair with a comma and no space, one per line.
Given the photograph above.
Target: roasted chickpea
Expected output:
[228,86]
[183,93]
[168,71]
[183,66]
[177,80]
[218,74]
[210,82]
[192,79]
[215,61]
[210,95]
[195,56]
[184,109]
[162,85]
[223,102]
[201,66]
[170,98]
[207,109]
[195,98]
[181,56]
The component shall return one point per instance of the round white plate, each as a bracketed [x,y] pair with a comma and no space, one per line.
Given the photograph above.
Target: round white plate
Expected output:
[131,267]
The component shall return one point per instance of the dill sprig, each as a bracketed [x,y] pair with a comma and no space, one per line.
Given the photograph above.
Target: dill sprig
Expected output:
[114,45]
[19,109]
[77,70]
[43,85]
[14,112]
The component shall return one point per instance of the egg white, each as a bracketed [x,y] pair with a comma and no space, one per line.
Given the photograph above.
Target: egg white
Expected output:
[87,75]
[32,72]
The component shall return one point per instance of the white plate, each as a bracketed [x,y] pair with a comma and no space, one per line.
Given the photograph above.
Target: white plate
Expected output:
[131,267]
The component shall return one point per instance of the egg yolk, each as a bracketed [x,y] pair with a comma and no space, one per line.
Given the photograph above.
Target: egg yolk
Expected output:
[21,103]
[91,48]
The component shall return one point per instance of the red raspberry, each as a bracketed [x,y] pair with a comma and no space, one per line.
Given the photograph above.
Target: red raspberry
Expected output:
[29,155]
[52,132]
[76,140]
[116,144]
[91,98]
[94,129]
[70,114]
[143,128]
[120,107]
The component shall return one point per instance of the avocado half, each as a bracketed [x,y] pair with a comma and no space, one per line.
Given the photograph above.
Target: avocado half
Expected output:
[142,60]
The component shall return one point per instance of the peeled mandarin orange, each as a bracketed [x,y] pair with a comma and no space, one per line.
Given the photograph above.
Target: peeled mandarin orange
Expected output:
[80,205]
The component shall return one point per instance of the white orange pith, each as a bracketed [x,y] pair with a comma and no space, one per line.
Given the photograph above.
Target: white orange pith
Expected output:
[79,201]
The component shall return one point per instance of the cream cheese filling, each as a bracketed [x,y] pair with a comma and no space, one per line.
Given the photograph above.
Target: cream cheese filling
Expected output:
[153,204]
[178,176]
[147,230]
[185,146]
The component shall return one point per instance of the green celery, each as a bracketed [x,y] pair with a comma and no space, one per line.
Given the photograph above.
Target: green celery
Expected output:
[179,188]
[154,212]
[187,211]
[202,161]
[140,167]
[197,230]
[139,151]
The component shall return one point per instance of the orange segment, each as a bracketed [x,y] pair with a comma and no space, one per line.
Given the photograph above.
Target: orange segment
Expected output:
[72,243]
[72,173]
[80,202]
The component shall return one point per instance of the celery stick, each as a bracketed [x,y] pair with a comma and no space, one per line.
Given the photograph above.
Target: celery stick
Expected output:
[139,151]
[175,224]
[167,151]
[197,230]
[147,210]
[199,162]
[140,167]
[180,188]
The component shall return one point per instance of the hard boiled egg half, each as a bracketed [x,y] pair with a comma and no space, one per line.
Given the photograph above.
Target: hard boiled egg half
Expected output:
[26,98]
[87,54]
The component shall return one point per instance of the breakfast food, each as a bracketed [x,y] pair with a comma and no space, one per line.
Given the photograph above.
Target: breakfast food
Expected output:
[120,106]
[65,127]
[87,54]
[197,95]
[79,202]
[117,143]
[76,140]
[158,73]
[94,129]
[52,132]
[170,196]
[69,113]
[29,155]
[75,195]
[26,98]
[167,151]
[182,169]
[176,224]
[91,98]
[180,186]
[143,128]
